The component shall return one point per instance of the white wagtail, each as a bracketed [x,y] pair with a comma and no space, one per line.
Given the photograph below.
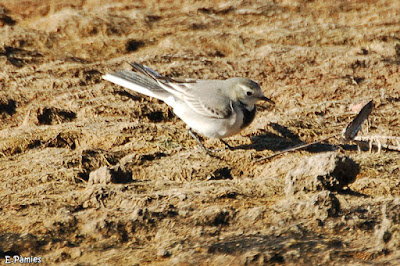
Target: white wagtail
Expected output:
[212,108]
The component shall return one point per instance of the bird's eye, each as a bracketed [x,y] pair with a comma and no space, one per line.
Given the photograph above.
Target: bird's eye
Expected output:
[249,93]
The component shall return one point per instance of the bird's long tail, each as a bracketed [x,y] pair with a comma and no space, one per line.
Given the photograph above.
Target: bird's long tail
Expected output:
[147,71]
[143,81]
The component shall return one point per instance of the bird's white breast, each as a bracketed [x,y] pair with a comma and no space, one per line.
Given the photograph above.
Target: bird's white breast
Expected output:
[207,126]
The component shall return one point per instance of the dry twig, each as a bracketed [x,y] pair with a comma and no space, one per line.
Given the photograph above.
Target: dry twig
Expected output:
[350,133]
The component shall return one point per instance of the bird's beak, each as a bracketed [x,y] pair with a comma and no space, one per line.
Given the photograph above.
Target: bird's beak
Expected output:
[263,98]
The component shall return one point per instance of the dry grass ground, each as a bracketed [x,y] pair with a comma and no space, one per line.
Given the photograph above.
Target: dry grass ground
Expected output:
[59,121]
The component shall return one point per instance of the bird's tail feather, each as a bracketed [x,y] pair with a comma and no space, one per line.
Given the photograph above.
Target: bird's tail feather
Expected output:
[139,83]
[147,71]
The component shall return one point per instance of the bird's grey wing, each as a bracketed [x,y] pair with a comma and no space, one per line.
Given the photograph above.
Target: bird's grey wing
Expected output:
[201,95]
[207,101]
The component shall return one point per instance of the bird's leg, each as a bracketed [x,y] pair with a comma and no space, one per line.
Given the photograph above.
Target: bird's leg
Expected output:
[227,146]
[209,151]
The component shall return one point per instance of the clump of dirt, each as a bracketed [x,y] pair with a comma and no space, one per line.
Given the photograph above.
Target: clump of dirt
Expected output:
[92,173]
[48,116]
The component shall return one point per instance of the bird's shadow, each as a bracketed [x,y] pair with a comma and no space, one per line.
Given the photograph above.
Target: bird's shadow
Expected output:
[350,192]
[283,139]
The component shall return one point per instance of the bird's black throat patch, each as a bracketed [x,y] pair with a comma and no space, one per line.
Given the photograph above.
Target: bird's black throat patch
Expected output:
[248,116]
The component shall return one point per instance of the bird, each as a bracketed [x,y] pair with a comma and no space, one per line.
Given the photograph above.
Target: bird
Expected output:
[212,108]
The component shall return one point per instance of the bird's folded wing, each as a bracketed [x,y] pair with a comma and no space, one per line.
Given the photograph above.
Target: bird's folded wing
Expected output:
[213,106]
[203,100]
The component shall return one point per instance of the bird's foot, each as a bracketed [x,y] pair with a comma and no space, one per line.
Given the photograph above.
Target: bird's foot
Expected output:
[209,151]
[227,146]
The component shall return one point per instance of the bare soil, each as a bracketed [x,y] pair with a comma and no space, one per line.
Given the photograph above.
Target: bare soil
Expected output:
[168,202]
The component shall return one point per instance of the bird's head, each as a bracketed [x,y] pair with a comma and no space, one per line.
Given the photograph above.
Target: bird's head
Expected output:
[245,90]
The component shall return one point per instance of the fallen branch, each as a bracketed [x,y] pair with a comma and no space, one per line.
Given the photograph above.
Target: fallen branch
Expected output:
[349,133]
[379,142]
